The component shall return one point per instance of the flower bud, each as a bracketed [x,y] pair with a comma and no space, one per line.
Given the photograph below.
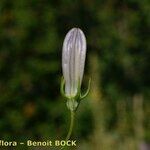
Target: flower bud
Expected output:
[73,60]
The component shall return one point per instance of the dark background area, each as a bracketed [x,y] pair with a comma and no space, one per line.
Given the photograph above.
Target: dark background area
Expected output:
[115,114]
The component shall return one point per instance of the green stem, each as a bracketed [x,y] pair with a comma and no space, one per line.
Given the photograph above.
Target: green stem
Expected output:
[71,125]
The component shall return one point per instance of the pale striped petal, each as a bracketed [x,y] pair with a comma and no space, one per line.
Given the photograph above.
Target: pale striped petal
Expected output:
[73,59]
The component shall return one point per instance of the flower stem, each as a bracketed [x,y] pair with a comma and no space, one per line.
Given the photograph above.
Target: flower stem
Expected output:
[72,113]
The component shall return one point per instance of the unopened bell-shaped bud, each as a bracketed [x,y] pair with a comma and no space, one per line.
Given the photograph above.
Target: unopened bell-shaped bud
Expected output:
[73,60]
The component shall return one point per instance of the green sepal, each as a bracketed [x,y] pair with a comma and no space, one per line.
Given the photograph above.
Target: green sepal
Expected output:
[73,102]
[62,87]
[87,91]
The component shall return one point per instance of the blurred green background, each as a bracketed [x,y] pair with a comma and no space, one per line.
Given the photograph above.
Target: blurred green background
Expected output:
[115,114]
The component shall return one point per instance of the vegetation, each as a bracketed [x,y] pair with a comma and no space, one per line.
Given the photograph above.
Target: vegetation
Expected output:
[115,114]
